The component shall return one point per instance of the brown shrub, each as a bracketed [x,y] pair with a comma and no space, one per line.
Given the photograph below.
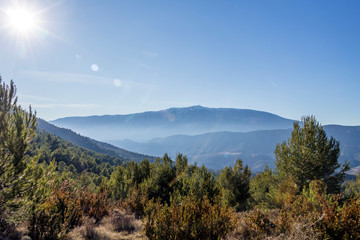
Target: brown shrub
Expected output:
[119,221]
[191,219]
[64,210]
[94,205]
[255,224]
[340,222]
[88,226]
[57,215]
[303,229]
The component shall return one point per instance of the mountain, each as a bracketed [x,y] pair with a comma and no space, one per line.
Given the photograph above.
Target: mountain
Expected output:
[256,148]
[189,121]
[215,137]
[218,149]
[92,144]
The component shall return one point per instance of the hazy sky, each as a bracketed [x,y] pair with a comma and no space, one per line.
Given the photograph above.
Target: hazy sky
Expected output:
[291,58]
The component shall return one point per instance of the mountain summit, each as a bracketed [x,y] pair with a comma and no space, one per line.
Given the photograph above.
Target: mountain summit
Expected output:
[189,120]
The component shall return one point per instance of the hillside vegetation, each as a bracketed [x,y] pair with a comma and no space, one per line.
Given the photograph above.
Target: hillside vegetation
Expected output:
[92,144]
[53,189]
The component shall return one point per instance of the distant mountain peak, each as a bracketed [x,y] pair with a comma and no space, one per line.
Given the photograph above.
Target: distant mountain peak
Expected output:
[190,108]
[197,107]
[190,120]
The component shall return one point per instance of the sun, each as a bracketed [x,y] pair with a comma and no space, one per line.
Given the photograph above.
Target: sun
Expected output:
[22,20]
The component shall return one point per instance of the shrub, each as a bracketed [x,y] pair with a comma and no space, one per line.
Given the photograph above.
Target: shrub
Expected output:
[57,215]
[191,219]
[94,205]
[136,202]
[87,230]
[64,210]
[119,221]
[340,222]
[260,223]
[255,224]
[7,230]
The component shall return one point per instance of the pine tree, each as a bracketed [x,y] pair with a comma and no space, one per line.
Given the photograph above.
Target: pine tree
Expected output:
[17,128]
[262,188]
[235,185]
[310,155]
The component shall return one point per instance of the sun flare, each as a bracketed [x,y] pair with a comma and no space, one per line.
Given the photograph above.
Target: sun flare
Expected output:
[25,25]
[21,20]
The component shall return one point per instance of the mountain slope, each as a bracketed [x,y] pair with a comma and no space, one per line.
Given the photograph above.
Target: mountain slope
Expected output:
[92,144]
[173,121]
[219,149]
[70,157]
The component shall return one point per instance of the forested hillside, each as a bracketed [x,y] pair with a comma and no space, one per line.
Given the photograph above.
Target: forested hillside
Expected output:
[70,157]
[92,144]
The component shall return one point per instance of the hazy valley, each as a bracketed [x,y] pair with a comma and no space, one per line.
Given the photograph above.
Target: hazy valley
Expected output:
[215,137]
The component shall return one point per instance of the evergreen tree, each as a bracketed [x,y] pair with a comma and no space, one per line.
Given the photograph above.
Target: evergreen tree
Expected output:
[118,186]
[159,184]
[234,185]
[310,155]
[262,188]
[17,128]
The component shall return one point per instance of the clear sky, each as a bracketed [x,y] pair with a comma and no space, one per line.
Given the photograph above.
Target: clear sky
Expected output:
[291,58]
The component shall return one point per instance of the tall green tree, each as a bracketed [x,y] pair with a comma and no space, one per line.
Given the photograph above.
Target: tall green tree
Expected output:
[234,185]
[197,182]
[17,128]
[310,155]
[159,184]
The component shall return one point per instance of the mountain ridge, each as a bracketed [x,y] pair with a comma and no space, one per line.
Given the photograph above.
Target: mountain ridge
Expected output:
[256,148]
[211,136]
[190,121]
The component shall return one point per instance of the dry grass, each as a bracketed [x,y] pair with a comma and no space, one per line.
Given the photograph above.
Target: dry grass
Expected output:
[120,221]
[118,225]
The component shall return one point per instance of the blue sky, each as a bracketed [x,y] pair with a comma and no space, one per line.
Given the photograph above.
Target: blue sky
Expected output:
[291,58]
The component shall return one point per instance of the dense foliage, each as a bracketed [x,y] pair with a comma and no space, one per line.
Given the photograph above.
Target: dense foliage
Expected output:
[310,155]
[16,131]
[192,219]
[69,157]
[235,183]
